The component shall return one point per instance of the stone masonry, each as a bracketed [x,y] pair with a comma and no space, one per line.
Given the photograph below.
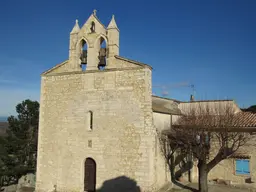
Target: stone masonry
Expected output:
[122,138]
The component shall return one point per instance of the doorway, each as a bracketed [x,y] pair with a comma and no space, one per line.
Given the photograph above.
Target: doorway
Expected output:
[89,175]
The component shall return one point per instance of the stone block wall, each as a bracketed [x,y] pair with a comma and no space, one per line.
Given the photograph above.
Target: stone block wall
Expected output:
[122,139]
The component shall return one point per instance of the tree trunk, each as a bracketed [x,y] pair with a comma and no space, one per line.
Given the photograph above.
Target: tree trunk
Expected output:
[203,176]
[172,168]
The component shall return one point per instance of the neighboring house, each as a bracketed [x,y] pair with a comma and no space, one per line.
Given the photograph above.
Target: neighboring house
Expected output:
[240,168]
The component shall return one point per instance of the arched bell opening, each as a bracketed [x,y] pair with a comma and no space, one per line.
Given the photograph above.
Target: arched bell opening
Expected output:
[102,53]
[83,55]
[92,28]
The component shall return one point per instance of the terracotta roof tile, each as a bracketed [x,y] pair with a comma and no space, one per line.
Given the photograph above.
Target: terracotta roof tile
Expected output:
[240,119]
[245,119]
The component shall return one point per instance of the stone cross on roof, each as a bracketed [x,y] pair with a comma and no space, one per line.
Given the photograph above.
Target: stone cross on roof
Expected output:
[94,12]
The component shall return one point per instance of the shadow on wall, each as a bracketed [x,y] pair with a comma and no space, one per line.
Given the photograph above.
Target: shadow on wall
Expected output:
[183,165]
[178,165]
[120,184]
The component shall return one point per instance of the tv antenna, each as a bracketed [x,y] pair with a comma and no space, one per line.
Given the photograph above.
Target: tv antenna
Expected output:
[165,89]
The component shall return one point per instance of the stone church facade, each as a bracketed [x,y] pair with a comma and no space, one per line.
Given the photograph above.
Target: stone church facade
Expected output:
[96,124]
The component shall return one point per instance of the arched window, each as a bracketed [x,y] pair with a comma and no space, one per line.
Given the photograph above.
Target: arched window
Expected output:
[92,27]
[84,54]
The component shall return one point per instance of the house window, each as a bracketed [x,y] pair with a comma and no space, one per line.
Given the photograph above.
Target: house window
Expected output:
[242,166]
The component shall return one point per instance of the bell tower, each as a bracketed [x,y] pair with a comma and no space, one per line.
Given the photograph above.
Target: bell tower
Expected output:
[93,47]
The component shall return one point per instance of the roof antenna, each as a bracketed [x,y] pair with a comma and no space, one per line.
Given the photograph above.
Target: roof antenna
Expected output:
[192,96]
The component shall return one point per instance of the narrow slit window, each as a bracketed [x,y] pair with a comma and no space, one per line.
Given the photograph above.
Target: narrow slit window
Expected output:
[90,120]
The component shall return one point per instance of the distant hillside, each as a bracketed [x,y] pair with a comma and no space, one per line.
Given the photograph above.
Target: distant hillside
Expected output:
[251,109]
[3,119]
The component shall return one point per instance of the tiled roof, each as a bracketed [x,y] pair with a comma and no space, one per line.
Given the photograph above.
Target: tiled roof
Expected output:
[240,119]
[198,101]
[245,119]
[165,98]
[166,106]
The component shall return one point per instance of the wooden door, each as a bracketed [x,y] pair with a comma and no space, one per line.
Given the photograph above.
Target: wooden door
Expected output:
[89,175]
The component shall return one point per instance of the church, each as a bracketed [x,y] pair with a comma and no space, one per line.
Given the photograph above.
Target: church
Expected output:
[99,122]
[96,117]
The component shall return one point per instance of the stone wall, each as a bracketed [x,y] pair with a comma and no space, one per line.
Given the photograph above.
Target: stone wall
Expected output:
[226,169]
[122,141]
[161,122]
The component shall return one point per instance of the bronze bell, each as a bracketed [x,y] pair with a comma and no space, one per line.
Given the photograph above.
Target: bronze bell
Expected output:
[83,57]
[102,57]
[102,62]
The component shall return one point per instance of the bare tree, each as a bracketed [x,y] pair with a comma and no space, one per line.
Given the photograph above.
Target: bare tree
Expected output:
[208,133]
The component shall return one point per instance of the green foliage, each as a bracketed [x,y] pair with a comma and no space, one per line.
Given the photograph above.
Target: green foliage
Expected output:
[18,150]
[252,109]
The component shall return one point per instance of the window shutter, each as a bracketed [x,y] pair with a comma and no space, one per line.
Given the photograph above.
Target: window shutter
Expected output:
[246,169]
[239,166]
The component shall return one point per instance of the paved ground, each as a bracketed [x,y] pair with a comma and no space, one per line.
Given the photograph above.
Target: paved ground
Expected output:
[216,188]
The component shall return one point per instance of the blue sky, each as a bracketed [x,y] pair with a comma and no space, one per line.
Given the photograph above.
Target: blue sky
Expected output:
[211,44]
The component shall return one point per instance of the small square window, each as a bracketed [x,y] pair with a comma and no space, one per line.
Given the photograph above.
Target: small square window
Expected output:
[90,143]
[242,166]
